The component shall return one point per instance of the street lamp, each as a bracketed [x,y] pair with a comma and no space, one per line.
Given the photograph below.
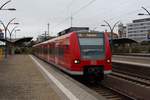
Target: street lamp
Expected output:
[11,9]
[16,31]
[148,13]
[10,32]
[15,23]
[111,31]
[5,31]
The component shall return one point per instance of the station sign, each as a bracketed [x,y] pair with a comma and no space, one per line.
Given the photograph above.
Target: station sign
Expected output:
[90,35]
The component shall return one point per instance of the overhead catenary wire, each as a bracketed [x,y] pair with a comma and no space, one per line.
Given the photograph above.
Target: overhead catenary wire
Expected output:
[70,3]
[83,7]
[116,17]
[77,11]
[130,13]
[112,18]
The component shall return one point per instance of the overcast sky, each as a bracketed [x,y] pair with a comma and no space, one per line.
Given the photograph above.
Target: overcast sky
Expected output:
[34,15]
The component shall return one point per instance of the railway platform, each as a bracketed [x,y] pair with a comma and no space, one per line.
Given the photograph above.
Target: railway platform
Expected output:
[21,80]
[132,60]
[134,54]
[24,77]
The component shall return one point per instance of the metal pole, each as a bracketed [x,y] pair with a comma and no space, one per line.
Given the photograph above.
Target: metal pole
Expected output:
[45,35]
[15,33]
[5,29]
[146,10]
[6,49]
[4,4]
[11,9]
[111,32]
[10,32]
[71,18]
[48,28]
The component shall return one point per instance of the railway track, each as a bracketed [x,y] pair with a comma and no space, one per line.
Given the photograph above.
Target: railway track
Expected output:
[134,54]
[104,90]
[131,88]
[137,76]
[110,93]
[122,86]
[132,77]
[135,87]
[132,70]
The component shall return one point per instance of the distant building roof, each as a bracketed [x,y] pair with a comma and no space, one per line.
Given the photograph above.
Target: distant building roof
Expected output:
[17,41]
[141,20]
[21,40]
[123,41]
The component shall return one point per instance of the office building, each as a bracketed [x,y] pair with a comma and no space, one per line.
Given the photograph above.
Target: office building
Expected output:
[139,30]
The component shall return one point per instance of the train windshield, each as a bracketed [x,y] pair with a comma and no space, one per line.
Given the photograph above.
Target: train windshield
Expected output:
[92,45]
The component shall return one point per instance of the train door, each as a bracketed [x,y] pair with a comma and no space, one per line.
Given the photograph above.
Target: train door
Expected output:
[56,52]
[48,52]
[41,51]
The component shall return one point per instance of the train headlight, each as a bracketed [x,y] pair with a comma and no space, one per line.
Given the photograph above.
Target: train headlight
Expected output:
[76,61]
[108,61]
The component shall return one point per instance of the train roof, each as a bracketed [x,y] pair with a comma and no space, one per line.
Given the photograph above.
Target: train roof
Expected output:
[54,39]
[72,29]
[65,35]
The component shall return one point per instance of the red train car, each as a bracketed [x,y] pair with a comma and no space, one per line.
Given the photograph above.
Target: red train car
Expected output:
[78,53]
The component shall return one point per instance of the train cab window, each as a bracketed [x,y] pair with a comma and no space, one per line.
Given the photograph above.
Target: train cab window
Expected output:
[92,46]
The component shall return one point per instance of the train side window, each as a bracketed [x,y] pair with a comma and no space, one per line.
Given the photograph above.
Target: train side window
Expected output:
[67,46]
[61,52]
[66,49]
[67,43]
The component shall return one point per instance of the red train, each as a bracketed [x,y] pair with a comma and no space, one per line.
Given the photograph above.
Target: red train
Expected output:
[78,53]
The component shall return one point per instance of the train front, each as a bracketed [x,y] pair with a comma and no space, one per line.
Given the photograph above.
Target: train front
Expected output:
[92,54]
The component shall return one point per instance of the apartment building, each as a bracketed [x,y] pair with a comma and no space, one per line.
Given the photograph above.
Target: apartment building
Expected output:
[139,30]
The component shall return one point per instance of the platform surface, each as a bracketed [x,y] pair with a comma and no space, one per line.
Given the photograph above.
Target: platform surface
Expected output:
[21,80]
[137,60]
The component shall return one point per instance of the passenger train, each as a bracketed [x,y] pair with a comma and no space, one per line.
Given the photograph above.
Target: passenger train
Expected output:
[84,53]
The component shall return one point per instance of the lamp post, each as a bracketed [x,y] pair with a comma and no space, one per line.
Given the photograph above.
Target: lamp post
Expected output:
[148,13]
[11,47]
[16,31]
[11,9]
[111,31]
[5,31]
[10,32]
[48,28]
[71,21]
